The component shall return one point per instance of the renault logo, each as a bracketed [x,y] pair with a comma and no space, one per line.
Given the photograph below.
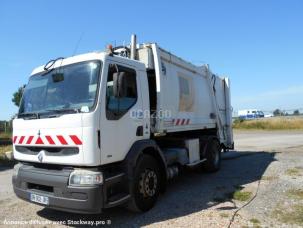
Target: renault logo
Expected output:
[40,155]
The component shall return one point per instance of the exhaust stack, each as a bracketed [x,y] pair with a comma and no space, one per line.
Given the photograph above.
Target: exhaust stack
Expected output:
[133,46]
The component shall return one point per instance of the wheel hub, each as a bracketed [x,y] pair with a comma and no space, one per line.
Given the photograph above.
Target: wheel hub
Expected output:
[148,183]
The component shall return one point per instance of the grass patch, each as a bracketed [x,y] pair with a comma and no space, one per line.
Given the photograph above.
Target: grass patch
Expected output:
[295,193]
[293,216]
[294,171]
[241,195]
[275,123]
[5,135]
[224,215]
[4,149]
[269,178]
[254,221]
[238,194]
[5,138]
[3,158]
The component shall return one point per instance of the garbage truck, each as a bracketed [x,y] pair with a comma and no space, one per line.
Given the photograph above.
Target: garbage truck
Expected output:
[111,128]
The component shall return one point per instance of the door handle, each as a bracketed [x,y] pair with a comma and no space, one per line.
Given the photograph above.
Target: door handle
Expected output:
[139,131]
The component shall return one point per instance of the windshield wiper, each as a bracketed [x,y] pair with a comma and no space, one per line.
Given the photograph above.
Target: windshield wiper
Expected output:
[63,110]
[29,115]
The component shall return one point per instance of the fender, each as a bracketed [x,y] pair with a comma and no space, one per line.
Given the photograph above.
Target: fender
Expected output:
[139,147]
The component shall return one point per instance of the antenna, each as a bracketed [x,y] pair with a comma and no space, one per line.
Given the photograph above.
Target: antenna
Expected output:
[77,44]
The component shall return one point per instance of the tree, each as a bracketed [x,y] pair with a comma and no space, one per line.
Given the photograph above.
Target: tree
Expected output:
[277,112]
[17,96]
[296,112]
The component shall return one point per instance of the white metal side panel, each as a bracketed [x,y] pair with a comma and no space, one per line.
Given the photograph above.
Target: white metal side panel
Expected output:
[158,72]
[193,150]
[197,115]
[222,95]
[229,131]
[218,85]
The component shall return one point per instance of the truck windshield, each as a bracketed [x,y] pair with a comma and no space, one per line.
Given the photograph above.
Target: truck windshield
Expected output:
[70,88]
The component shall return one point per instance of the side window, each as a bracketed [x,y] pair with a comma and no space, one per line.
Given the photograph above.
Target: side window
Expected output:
[117,104]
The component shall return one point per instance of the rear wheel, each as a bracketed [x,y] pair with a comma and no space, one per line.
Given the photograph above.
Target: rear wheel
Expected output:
[146,184]
[213,156]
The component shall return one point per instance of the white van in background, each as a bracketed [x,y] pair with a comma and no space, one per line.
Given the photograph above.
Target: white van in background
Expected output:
[250,114]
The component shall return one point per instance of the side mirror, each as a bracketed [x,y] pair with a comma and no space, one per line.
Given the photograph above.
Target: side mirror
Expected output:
[58,77]
[119,84]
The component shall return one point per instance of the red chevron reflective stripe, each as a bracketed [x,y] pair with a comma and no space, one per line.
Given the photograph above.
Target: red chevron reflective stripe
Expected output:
[180,121]
[50,140]
[21,139]
[75,139]
[61,139]
[29,140]
[39,141]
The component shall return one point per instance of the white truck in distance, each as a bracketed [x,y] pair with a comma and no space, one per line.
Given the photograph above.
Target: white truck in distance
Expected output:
[111,128]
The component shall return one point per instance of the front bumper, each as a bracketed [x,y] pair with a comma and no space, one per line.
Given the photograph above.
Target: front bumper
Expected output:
[54,185]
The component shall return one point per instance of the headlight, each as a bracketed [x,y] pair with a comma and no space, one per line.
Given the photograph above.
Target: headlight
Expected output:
[16,169]
[82,177]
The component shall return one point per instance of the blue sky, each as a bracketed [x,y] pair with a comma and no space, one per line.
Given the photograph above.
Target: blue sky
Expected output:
[258,44]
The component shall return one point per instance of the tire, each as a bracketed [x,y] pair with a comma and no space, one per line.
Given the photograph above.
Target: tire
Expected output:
[146,185]
[213,156]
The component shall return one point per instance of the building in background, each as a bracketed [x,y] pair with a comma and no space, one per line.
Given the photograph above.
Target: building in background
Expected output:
[250,114]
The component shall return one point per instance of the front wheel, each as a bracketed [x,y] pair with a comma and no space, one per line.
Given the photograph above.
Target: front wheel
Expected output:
[146,184]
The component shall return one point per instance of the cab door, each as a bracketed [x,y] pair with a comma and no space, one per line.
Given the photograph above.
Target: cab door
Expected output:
[122,121]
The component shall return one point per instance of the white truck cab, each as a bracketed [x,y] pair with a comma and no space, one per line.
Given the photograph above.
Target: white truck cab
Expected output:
[110,128]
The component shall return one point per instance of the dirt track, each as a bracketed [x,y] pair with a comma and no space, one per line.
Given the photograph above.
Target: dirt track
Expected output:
[262,159]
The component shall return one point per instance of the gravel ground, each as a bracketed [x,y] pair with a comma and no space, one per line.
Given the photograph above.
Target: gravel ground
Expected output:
[269,163]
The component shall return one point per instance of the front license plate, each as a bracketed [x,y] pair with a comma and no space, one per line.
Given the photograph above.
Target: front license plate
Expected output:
[39,199]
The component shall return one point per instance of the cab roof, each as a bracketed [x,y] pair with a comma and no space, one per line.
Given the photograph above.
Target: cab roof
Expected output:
[86,57]
[71,60]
